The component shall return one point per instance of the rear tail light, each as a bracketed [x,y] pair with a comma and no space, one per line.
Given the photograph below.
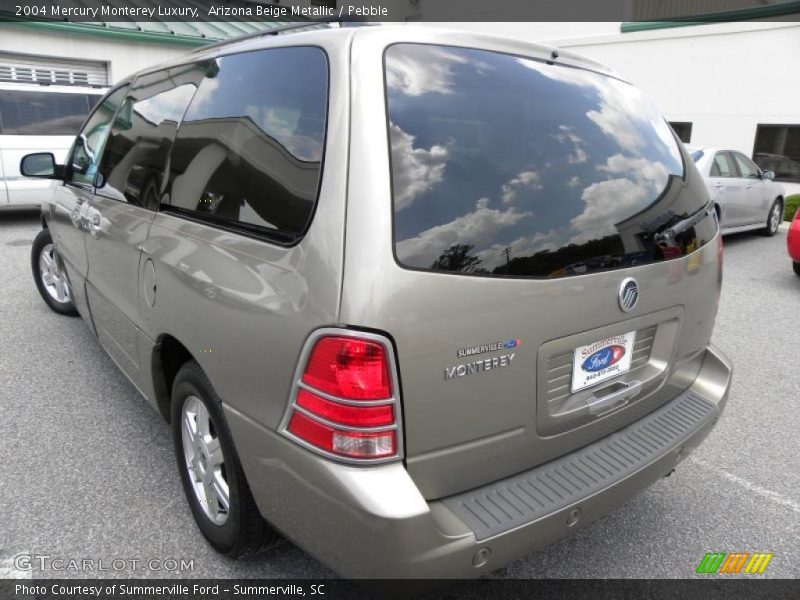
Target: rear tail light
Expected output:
[349,368]
[345,397]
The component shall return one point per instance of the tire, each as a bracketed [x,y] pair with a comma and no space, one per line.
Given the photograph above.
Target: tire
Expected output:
[796,267]
[774,218]
[50,275]
[239,529]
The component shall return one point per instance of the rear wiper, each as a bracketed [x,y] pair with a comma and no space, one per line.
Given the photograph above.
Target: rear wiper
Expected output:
[668,234]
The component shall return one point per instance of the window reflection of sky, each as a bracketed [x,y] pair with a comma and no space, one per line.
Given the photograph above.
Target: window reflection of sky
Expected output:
[492,151]
[165,106]
[299,128]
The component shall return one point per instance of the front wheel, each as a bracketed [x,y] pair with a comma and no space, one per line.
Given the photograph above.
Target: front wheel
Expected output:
[212,476]
[50,275]
[773,219]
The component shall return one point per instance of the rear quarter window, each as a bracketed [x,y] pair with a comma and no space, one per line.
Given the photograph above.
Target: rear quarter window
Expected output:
[508,166]
[249,151]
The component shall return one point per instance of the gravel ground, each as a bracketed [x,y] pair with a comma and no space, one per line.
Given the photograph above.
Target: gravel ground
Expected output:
[88,469]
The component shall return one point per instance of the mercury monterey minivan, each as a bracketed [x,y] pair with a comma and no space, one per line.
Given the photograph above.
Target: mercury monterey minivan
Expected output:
[419,301]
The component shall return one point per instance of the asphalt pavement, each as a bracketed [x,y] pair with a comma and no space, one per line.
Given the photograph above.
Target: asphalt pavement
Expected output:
[88,471]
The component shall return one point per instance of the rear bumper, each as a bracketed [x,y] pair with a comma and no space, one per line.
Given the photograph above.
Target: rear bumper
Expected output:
[373,522]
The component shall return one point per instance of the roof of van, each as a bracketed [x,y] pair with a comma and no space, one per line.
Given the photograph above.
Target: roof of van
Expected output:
[316,32]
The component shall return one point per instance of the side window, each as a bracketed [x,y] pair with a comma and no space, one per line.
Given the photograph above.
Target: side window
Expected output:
[135,157]
[746,167]
[723,166]
[248,153]
[89,144]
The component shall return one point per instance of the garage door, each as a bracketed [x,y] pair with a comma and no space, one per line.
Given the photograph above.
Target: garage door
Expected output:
[25,68]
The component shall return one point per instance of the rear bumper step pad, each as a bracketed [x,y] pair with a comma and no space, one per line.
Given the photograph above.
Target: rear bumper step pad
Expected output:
[509,503]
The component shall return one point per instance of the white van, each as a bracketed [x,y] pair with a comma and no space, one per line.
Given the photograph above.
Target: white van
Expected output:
[37,118]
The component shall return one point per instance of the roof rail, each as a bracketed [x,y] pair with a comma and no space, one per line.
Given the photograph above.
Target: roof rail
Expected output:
[280,29]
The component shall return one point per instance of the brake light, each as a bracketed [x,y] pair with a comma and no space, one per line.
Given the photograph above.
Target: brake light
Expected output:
[344,401]
[350,368]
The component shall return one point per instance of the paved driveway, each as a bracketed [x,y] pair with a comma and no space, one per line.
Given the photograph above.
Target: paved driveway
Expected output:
[88,469]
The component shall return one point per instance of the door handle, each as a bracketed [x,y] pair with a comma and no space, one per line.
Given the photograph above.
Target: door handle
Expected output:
[149,246]
[93,224]
[618,395]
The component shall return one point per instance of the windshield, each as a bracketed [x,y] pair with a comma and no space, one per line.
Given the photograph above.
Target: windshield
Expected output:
[503,165]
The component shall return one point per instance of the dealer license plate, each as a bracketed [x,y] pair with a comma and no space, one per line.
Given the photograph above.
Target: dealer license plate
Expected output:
[602,360]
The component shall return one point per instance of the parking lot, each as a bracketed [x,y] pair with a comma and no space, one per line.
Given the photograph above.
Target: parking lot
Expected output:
[88,469]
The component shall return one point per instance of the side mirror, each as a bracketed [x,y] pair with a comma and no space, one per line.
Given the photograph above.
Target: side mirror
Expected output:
[42,165]
[768,175]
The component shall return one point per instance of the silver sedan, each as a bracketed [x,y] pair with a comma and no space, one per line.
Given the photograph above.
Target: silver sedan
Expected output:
[745,197]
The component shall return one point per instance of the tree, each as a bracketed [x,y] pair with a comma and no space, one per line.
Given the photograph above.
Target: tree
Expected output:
[457,258]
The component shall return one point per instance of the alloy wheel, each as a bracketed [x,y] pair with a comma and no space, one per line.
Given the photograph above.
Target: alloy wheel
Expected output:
[775,217]
[205,463]
[53,275]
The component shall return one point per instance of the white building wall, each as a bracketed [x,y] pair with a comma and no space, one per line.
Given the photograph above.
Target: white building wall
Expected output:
[724,78]
[124,56]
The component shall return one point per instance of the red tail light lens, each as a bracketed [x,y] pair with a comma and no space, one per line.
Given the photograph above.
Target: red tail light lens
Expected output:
[349,368]
[346,404]
[356,416]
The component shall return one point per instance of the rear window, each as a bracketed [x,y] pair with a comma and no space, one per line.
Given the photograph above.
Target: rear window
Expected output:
[24,112]
[508,166]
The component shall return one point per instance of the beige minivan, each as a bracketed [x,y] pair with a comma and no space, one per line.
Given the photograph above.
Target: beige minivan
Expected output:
[419,301]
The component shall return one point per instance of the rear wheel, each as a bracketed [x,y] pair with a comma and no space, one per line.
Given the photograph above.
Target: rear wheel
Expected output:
[50,275]
[796,267]
[774,218]
[212,476]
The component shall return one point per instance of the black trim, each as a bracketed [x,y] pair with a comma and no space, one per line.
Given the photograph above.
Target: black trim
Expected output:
[275,236]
